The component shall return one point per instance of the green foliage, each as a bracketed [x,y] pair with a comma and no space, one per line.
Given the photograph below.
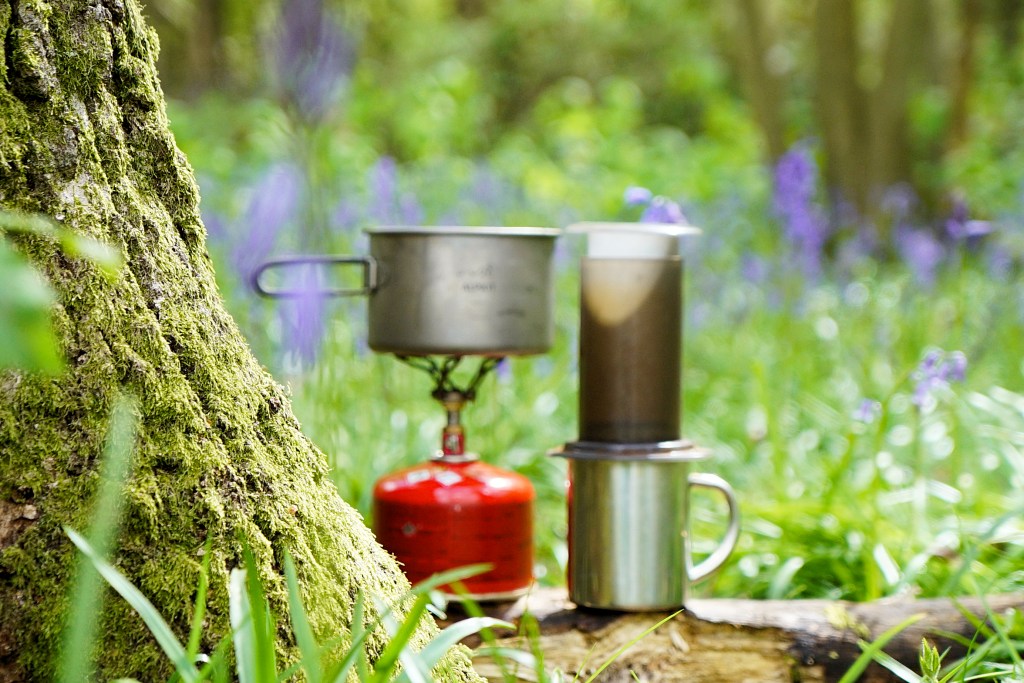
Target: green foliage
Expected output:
[874,647]
[26,298]
[85,598]
[254,632]
[993,654]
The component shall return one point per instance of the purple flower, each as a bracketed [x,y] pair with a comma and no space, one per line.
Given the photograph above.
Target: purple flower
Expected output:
[637,196]
[663,210]
[657,209]
[922,252]
[346,215]
[273,204]
[961,228]
[313,57]
[899,202]
[216,229]
[867,411]
[386,205]
[955,367]
[383,182]
[303,316]
[754,268]
[936,371]
[410,210]
[795,186]
[503,371]
[1000,261]
[931,361]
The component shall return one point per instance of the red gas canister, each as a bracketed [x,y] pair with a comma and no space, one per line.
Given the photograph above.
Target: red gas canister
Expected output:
[455,511]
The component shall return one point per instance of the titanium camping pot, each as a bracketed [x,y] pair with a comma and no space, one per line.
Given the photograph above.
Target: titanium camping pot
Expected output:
[450,291]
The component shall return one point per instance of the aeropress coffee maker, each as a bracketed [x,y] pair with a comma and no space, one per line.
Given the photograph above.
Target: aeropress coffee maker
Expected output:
[629,475]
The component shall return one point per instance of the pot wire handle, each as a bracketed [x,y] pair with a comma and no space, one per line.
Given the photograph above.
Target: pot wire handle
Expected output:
[712,562]
[370,273]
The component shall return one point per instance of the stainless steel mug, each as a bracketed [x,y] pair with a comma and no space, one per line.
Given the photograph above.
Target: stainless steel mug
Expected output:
[629,533]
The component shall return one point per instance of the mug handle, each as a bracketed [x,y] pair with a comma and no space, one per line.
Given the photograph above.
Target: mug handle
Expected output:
[715,560]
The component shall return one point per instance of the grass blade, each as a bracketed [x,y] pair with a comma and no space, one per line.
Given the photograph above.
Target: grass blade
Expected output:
[432,653]
[356,654]
[156,624]
[396,649]
[870,650]
[199,613]
[88,588]
[618,653]
[242,629]
[1001,634]
[300,625]
[892,664]
[263,627]
[450,576]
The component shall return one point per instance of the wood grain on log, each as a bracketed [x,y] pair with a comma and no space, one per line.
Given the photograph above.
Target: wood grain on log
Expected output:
[736,640]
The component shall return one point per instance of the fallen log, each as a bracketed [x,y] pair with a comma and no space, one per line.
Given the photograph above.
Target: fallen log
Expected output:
[735,640]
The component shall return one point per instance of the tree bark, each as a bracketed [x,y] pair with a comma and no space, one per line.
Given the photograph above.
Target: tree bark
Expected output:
[971,13]
[738,640]
[754,39]
[841,102]
[84,138]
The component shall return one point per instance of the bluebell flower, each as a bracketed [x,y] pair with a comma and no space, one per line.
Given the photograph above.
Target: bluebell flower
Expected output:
[657,209]
[346,214]
[931,362]
[999,261]
[955,367]
[899,202]
[663,210]
[383,184]
[795,186]
[867,411]
[386,204]
[314,57]
[637,196]
[754,268]
[922,252]
[961,227]
[410,210]
[274,201]
[503,371]
[937,369]
[303,318]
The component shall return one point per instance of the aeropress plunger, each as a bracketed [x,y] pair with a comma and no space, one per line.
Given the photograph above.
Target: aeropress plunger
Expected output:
[629,478]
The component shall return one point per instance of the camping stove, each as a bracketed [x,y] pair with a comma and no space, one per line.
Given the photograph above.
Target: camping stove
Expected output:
[455,510]
[438,295]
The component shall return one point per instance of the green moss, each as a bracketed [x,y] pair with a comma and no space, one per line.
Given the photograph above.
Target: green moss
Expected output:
[83,137]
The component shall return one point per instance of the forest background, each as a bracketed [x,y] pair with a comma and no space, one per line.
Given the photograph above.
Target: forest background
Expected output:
[853,348]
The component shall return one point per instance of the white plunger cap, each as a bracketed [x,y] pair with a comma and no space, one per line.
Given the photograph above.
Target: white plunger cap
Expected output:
[632,240]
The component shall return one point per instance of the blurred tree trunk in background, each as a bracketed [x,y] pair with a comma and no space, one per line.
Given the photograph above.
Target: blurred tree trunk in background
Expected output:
[84,138]
[193,55]
[762,85]
[841,102]
[971,15]
[871,93]
[211,45]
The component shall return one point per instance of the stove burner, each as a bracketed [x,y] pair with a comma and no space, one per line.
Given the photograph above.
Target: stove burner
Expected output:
[442,371]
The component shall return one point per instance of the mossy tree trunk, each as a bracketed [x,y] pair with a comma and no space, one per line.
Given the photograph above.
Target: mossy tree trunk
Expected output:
[84,139]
